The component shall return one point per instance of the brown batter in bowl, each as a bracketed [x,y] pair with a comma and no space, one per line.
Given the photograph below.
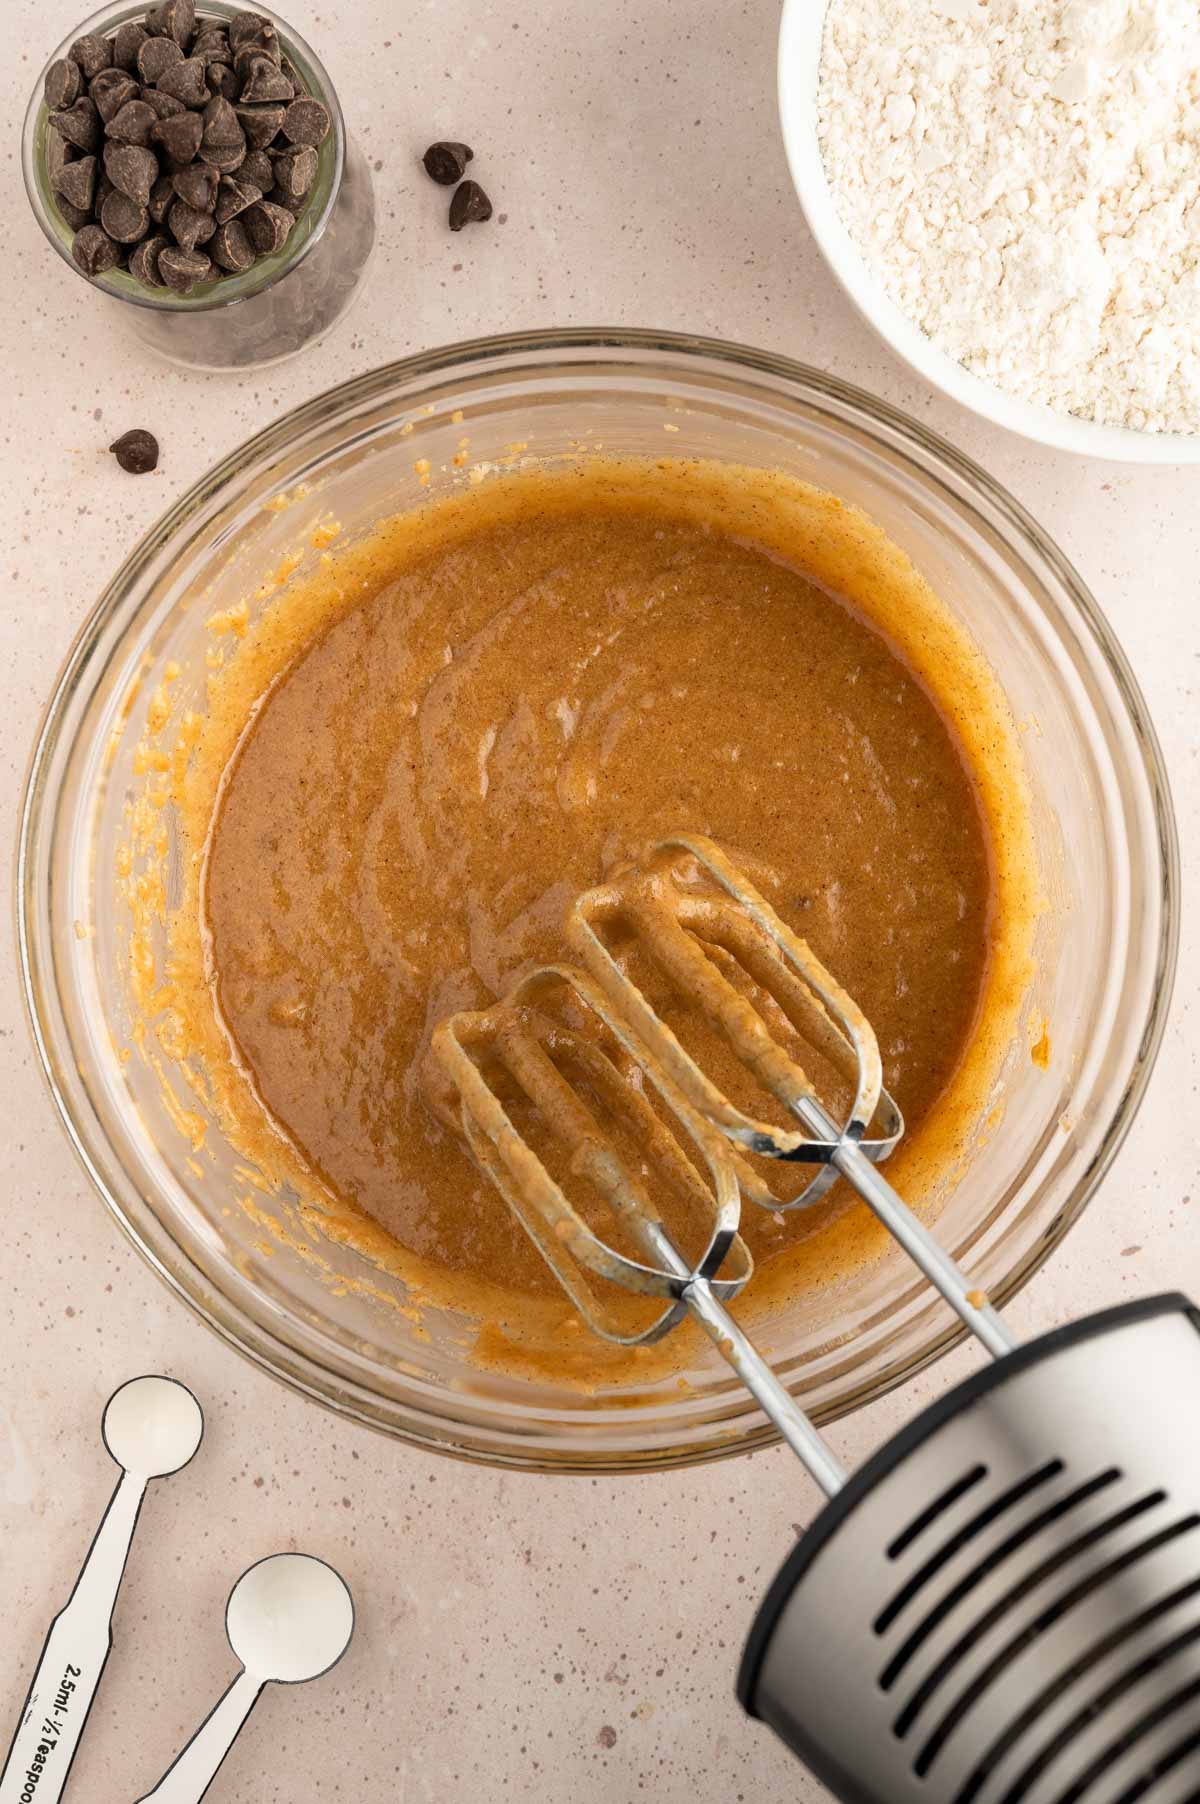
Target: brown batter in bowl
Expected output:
[422,753]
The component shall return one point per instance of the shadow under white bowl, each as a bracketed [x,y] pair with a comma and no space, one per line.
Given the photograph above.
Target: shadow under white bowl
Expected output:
[800,34]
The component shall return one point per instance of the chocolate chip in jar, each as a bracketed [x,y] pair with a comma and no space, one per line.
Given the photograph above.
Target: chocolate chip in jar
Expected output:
[182,269]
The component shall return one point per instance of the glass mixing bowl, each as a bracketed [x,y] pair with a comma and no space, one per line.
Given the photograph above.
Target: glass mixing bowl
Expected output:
[1102,816]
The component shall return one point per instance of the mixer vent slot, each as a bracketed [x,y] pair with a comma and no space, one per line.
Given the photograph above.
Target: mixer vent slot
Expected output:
[961,1538]
[1070,1676]
[989,1564]
[931,1512]
[1047,1618]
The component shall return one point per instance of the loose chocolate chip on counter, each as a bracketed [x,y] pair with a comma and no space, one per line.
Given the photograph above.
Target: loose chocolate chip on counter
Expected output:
[76,182]
[190,226]
[123,219]
[185,81]
[268,225]
[257,170]
[143,263]
[92,53]
[231,247]
[295,173]
[468,204]
[63,84]
[110,90]
[182,269]
[306,122]
[128,41]
[132,124]
[79,124]
[179,136]
[446,160]
[173,19]
[136,451]
[259,123]
[234,195]
[162,198]
[94,251]
[223,80]
[156,56]
[165,105]
[197,185]
[263,81]
[132,169]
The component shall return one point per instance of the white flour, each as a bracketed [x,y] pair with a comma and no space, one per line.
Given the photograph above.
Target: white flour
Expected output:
[1024,176]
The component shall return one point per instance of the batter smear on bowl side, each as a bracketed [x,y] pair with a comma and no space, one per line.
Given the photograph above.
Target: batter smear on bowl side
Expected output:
[420,754]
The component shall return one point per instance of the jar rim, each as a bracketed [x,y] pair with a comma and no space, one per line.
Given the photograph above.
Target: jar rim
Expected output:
[224,290]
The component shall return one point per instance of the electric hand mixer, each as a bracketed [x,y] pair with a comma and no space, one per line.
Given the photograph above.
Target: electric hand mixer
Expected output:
[1003,1605]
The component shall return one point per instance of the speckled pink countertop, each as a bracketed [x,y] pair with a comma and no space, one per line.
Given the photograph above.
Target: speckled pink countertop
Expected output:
[519,1638]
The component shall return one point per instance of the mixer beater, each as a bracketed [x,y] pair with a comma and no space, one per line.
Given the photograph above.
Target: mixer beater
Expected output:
[1003,1605]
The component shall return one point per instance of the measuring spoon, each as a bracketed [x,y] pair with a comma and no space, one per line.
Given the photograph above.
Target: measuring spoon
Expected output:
[151,1426]
[289,1618]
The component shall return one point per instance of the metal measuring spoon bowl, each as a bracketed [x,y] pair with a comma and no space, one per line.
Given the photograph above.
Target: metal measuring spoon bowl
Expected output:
[151,1427]
[289,1618]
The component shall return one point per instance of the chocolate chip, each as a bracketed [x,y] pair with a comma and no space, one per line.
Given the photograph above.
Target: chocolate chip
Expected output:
[212,44]
[76,182]
[143,264]
[76,217]
[469,203]
[63,84]
[79,124]
[165,105]
[126,44]
[162,198]
[231,247]
[136,451]
[268,225]
[173,19]
[223,80]
[185,81]
[263,81]
[182,269]
[244,26]
[446,160]
[197,185]
[179,136]
[257,170]
[156,56]
[123,219]
[95,251]
[132,124]
[306,122]
[295,173]
[260,123]
[132,169]
[110,90]
[233,197]
[92,53]
[189,225]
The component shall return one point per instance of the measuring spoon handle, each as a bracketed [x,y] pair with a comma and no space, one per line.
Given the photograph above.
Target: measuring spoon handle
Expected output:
[72,1660]
[189,1776]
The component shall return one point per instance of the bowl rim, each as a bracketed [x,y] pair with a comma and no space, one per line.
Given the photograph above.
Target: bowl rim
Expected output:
[256,1341]
[801,29]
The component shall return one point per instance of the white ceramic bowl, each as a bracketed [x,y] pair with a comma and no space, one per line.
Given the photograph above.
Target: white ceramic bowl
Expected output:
[800,36]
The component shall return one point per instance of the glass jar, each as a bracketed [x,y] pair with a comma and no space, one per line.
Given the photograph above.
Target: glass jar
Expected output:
[317,1316]
[286,299]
